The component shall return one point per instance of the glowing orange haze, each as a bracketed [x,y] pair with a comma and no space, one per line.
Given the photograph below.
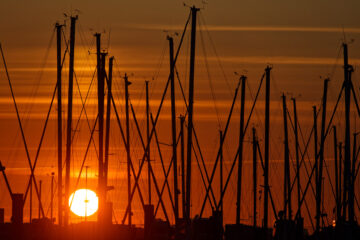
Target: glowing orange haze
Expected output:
[299,55]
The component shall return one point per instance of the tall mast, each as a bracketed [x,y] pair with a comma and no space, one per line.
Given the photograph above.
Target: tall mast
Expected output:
[351,170]
[221,174]
[40,190]
[316,165]
[352,181]
[340,172]
[100,91]
[267,129]
[182,140]
[59,122]
[190,111]
[297,156]
[69,118]
[321,156]
[241,143]
[287,192]
[148,138]
[338,213]
[127,83]
[52,197]
[31,201]
[347,159]
[173,128]
[254,175]
[107,127]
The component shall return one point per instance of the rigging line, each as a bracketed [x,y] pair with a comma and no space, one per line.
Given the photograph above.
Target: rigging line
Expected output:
[143,145]
[355,100]
[158,193]
[270,194]
[332,116]
[32,169]
[51,196]
[166,183]
[202,176]
[83,102]
[83,38]
[337,59]
[84,110]
[216,54]
[195,135]
[209,78]
[156,119]
[125,143]
[154,179]
[297,173]
[306,188]
[84,159]
[308,211]
[326,133]
[203,164]
[220,147]
[169,168]
[255,100]
[21,128]
[307,172]
[86,45]
[140,97]
[147,147]
[158,67]
[37,84]
[162,56]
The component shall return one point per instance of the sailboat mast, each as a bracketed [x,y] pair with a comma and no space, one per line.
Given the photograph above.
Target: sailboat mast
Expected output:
[316,164]
[100,91]
[127,83]
[254,175]
[297,156]
[287,192]
[148,138]
[40,191]
[347,159]
[31,201]
[338,214]
[241,144]
[107,127]
[352,182]
[267,129]
[52,197]
[321,156]
[69,118]
[190,111]
[221,174]
[182,140]
[59,122]
[173,128]
[340,176]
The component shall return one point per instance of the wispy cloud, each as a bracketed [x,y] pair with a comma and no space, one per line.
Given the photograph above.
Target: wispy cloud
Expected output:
[286,60]
[229,28]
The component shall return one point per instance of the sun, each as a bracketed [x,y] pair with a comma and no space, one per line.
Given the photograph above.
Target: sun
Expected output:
[83,202]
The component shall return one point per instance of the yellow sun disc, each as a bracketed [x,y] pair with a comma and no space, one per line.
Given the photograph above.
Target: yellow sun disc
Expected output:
[83,202]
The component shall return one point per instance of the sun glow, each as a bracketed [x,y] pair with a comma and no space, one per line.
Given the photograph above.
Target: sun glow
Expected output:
[83,202]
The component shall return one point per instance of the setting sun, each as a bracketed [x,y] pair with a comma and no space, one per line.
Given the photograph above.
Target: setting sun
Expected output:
[83,202]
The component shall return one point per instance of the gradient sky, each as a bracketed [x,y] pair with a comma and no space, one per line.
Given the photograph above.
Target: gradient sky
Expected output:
[300,39]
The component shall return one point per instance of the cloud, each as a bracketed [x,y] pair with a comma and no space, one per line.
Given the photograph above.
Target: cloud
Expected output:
[285,60]
[229,28]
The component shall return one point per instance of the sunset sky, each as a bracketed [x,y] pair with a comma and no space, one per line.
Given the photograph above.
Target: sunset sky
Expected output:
[301,40]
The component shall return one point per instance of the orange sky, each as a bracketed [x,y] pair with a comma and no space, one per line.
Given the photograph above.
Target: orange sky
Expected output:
[301,40]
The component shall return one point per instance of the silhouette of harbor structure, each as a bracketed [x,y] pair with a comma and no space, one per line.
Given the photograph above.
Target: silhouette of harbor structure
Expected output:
[190,225]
